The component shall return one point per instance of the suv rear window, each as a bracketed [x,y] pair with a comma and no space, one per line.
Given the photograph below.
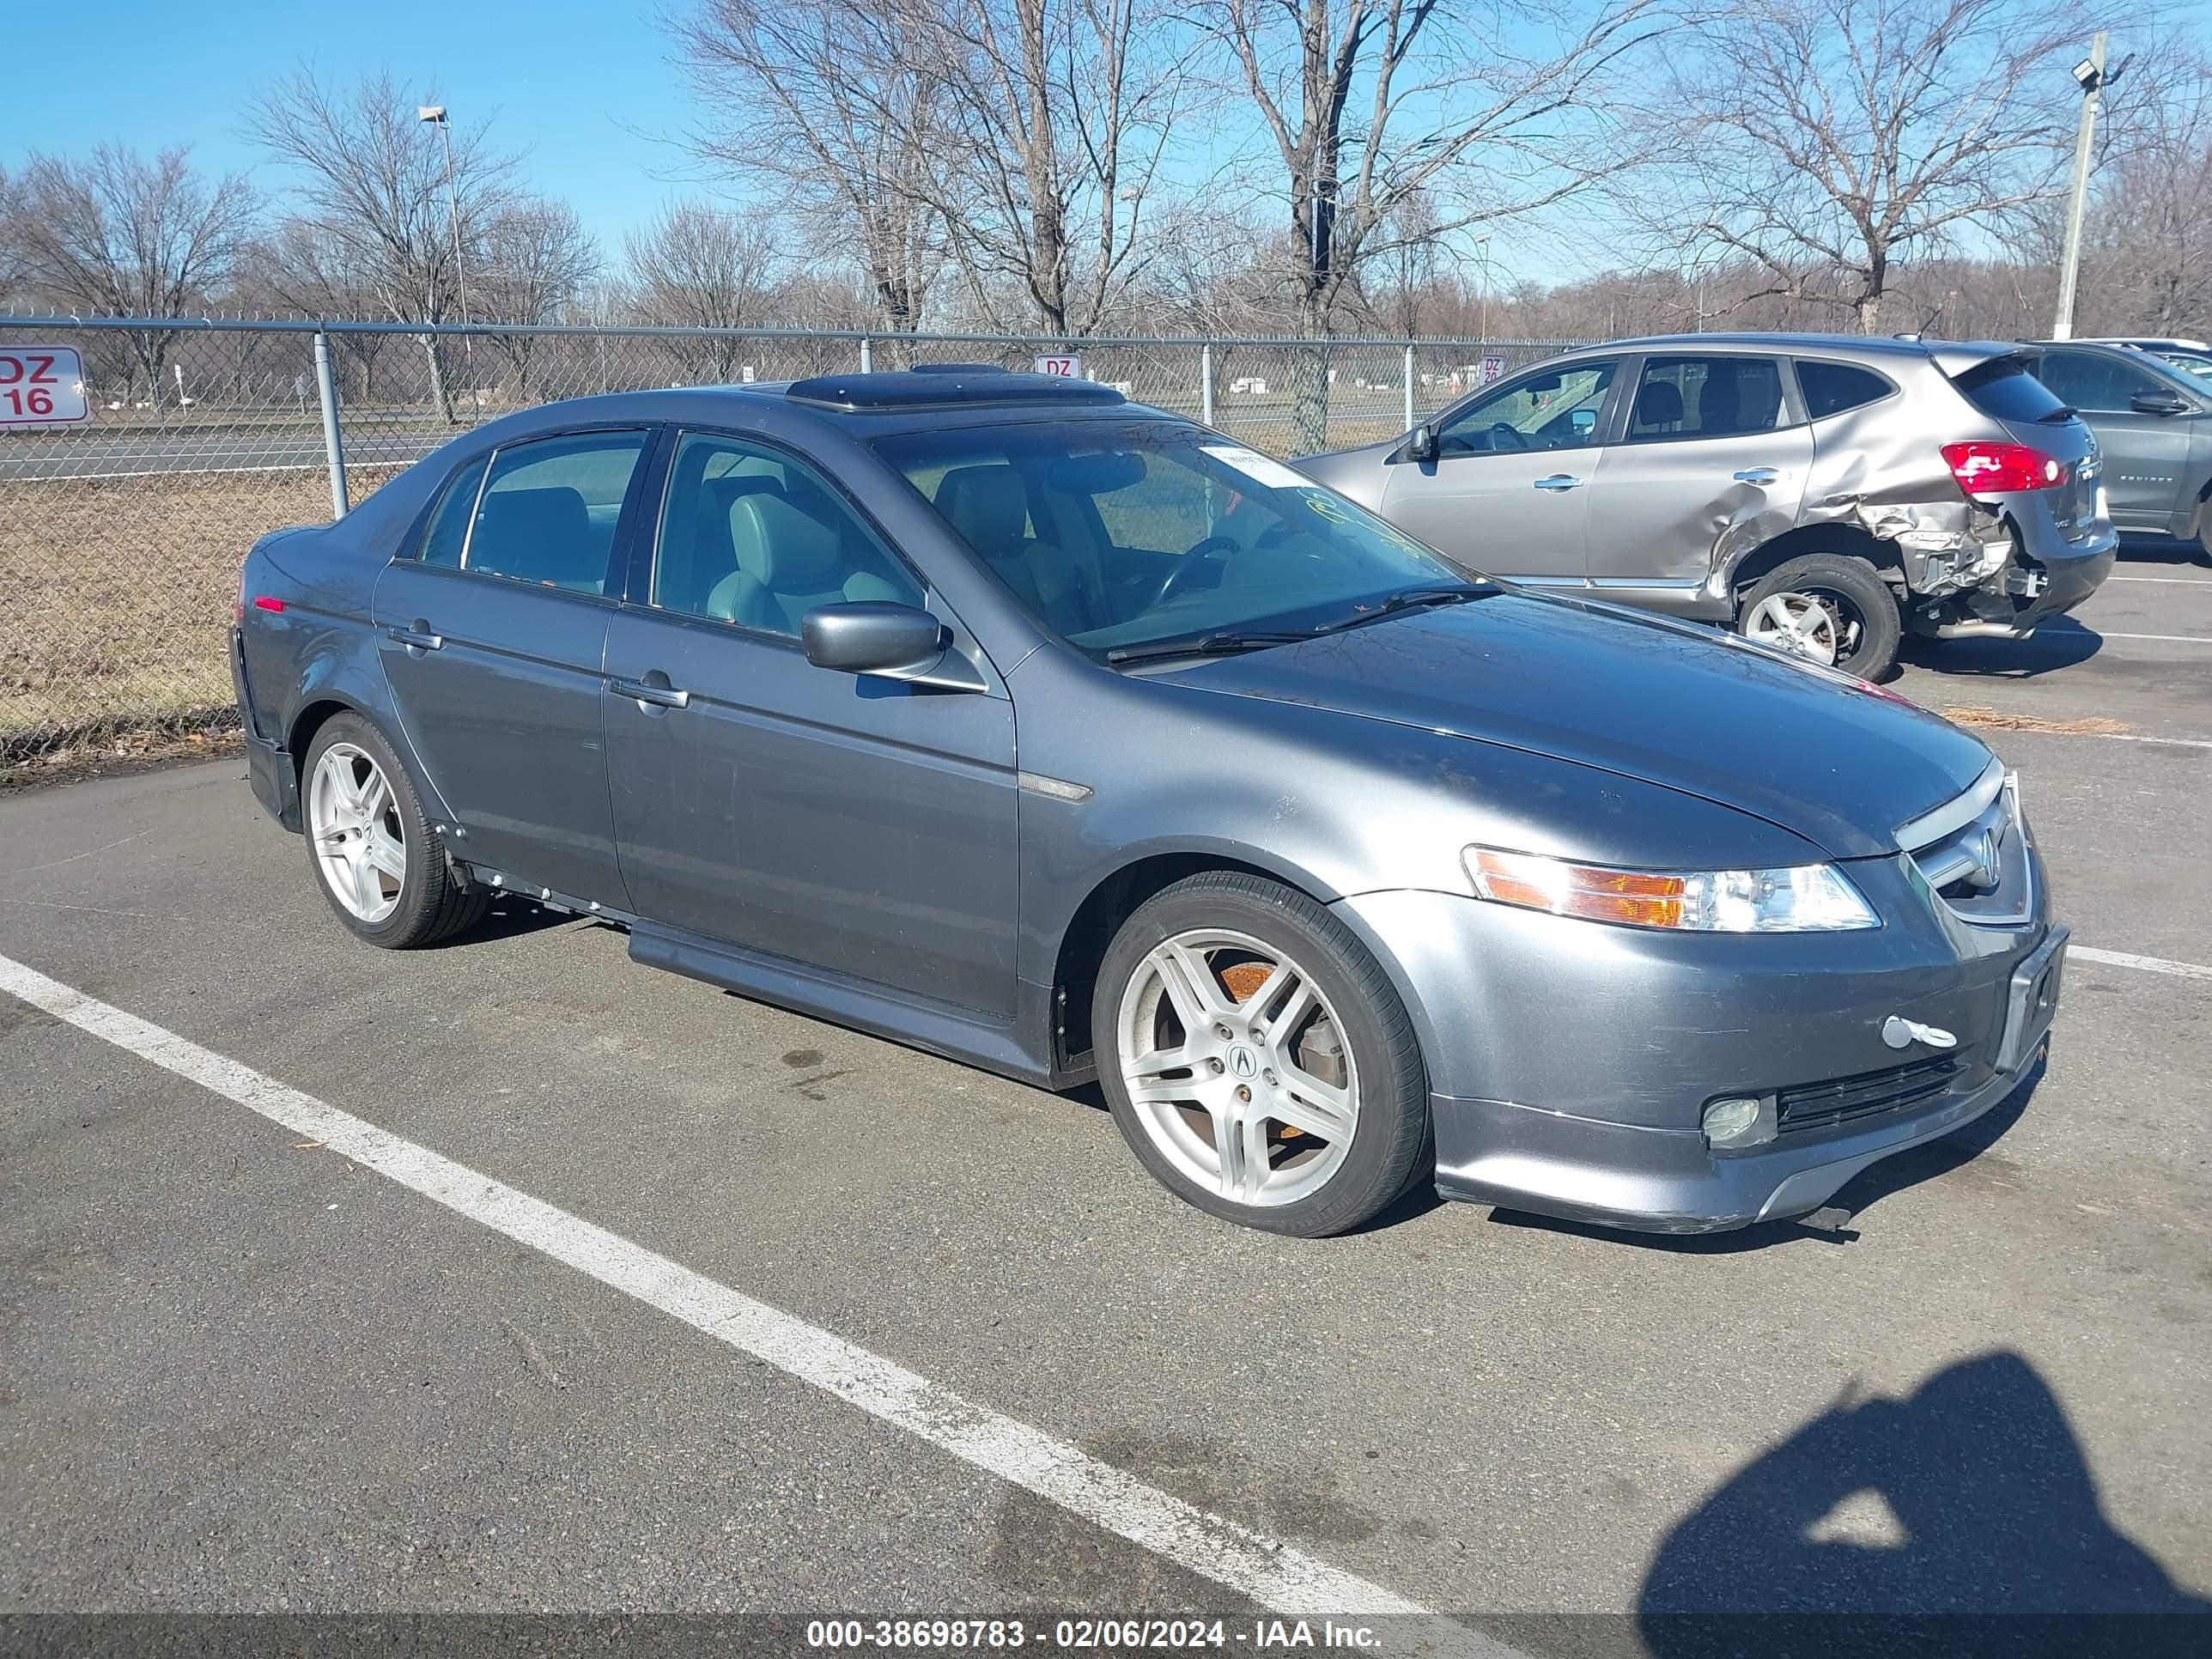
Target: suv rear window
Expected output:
[2006,389]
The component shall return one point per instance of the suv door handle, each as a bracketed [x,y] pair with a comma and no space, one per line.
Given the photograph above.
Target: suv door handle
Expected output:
[666,697]
[1756,475]
[1558,482]
[417,638]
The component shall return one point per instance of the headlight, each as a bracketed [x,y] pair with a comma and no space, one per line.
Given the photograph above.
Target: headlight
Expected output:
[1801,899]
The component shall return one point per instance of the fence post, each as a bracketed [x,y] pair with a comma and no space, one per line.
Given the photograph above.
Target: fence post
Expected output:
[333,444]
[865,366]
[1206,384]
[1409,388]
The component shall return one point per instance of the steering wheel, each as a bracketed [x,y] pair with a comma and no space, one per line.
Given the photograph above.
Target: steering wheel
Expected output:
[1195,554]
[1503,436]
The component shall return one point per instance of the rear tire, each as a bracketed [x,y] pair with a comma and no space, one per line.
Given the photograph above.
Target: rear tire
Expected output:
[378,860]
[1316,1091]
[1829,608]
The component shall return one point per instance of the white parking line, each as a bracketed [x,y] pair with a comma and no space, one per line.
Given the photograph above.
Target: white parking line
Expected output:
[2172,639]
[2178,581]
[2148,964]
[1262,1569]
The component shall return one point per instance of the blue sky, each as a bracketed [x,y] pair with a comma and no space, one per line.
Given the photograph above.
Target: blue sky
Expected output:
[581,85]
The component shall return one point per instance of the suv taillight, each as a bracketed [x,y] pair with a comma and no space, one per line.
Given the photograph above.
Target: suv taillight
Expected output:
[1998,469]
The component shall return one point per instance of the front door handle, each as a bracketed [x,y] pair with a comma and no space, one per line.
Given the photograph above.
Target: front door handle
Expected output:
[1558,482]
[1756,475]
[666,696]
[417,638]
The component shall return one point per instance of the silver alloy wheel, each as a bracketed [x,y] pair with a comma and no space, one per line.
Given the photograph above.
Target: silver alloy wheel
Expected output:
[1817,626]
[360,842]
[1237,1068]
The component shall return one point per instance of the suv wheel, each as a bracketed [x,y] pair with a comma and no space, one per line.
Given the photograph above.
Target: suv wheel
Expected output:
[1827,608]
[375,855]
[1257,1060]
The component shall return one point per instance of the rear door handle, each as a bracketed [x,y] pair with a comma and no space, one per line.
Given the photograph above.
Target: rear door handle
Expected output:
[1558,482]
[666,696]
[1756,475]
[417,638]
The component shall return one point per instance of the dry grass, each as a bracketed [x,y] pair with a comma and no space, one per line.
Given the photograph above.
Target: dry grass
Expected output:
[120,595]
[2095,725]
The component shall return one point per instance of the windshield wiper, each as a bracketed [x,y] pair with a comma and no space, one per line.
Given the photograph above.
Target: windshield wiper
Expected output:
[1410,598]
[1204,645]
[2063,412]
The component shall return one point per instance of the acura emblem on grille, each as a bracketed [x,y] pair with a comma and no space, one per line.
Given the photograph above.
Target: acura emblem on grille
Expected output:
[1900,1032]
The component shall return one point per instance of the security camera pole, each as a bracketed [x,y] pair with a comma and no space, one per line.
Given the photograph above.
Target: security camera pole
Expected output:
[2091,75]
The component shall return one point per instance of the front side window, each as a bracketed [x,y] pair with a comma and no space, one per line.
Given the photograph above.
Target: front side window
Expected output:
[549,509]
[1713,397]
[750,537]
[1120,534]
[1558,410]
[2098,384]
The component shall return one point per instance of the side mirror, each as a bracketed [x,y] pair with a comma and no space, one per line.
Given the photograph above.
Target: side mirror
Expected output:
[1421,443]
[2158,403]
[894,642]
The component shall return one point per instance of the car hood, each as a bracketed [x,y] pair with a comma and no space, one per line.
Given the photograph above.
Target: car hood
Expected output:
[1836,762]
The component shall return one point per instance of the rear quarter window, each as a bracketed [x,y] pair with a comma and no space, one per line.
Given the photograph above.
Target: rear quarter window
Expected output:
[2006,389]
[1831,388]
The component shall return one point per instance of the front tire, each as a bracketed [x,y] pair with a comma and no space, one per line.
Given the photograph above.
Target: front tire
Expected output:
[1828,608]
[377,858]
[1257,1060]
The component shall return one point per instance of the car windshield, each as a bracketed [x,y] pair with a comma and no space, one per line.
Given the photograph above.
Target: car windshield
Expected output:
[1126,538]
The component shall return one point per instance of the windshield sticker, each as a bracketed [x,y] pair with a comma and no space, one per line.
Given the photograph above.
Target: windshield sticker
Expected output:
[1273,475]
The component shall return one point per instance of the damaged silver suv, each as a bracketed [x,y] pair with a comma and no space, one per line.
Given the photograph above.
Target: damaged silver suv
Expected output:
[1820,493]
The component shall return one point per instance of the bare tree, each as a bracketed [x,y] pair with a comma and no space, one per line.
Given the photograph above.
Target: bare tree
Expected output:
[834,106]
[1492,111]
[116,233]
[1827,141]
[373,177]
[701,266]
[302,267]
[1059,113]
[537,261]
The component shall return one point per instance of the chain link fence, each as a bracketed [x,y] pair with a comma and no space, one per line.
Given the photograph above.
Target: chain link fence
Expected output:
[121,536]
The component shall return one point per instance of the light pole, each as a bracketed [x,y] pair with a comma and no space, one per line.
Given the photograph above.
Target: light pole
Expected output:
[2090,73]
[434,115]
[1482,254]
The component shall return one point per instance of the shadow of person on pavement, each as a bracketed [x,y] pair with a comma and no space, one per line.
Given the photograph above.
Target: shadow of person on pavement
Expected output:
[1961,1520]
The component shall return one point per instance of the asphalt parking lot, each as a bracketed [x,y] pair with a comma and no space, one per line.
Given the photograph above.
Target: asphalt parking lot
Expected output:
[245,1368]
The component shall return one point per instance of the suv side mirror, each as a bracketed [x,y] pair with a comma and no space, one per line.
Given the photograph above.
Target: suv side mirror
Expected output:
[894,642]
[2158,403]
[1421,443]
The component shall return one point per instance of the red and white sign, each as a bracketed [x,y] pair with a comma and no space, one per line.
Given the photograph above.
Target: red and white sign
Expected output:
[42,386]
[1068,367]
[1491,369]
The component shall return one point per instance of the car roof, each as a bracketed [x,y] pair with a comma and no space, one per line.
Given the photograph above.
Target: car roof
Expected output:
[879,403]
[1949,356]
[2140,342]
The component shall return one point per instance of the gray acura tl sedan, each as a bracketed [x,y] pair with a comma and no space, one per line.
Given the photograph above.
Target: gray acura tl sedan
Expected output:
[996,715]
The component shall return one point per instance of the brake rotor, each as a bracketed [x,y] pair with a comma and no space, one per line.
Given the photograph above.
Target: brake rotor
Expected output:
[1244,979]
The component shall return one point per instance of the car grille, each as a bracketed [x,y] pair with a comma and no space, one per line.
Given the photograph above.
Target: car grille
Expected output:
[1870,1094]
[1980,870]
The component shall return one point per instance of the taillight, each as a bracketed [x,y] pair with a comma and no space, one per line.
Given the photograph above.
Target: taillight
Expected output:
[1998,469]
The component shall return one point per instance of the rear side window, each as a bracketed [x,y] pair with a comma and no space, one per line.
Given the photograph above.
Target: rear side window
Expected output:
[1704,398]
[1831,388]
[549,509]
[2005,389]
[449,526]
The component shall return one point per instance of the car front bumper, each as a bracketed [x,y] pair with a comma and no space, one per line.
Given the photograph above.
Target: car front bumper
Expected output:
[1571,1063]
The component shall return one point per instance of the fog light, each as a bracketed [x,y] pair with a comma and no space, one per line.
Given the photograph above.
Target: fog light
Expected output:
[1737,1121]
